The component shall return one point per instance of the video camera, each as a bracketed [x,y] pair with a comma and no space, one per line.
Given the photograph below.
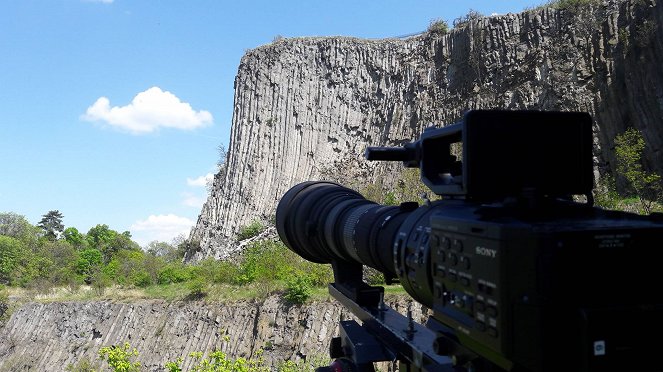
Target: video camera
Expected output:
[520,274]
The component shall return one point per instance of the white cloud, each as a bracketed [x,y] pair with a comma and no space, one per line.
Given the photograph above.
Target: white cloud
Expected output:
[99,1]
[163,227]
[148,112]
[201,181]
[194,201]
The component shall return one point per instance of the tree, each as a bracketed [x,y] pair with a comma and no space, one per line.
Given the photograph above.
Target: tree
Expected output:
[109,241]
[16,226]
[99,236]
[629,148]
[52,225]
[10,254]
[74,237]
[89,261]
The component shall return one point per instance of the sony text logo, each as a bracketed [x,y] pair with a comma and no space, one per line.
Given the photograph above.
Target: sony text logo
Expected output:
[483,251]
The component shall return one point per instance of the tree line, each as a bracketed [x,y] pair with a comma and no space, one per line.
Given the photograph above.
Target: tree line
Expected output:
[49,255]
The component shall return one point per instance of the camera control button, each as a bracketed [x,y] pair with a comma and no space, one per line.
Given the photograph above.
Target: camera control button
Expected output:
[453,259]
[492,331]
[465,261]
[465,281]
[481,326]
[446,243]
[457,245]
[491,311]
[439,271]
[480,306]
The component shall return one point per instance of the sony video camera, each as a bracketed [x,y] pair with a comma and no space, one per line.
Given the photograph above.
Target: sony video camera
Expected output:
[518,274]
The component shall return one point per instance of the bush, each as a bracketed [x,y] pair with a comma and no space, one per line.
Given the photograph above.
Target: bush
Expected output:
[573,5]
[251,230]
[4,304]
[629,148]
[84,365]
[141,279]
[173,273]
[100,281]
[197,287]
[10,251]
[470,16]
[216,271]
[218,361]
[298,289]
[307,365]
[119,358]
[438,26]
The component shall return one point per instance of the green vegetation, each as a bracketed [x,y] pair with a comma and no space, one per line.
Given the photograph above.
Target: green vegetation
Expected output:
[123,359]
[438,26]
[645,186]
[4,305]
[472,15]
[52,225]
[572,5]
[104,262]
[119,358]
[218,361]
[407,188]
[251,230]
[642,193]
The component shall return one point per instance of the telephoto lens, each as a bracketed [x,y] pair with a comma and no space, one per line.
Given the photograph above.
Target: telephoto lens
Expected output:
[325,222]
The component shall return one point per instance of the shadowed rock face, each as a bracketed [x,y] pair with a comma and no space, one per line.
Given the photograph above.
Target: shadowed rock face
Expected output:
[306,108]
[50,336]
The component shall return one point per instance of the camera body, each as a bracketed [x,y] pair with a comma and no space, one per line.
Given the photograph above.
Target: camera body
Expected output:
[570,291]
[519,275]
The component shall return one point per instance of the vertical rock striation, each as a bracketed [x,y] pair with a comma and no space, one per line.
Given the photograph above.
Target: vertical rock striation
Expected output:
[51,336]
[306,108]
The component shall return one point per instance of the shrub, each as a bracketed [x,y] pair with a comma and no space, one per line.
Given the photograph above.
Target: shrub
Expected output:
[573,5]
[251,230]
[100,281]
[141,279]
[4,304]
[197,287]
[307,365]
[84,365]
[605,193]
[119,357]
[629,148]
[216,271]
[173,273]
[218,361]
[470,16]
[89,261]
[438,26]
[298,289]
[10,251]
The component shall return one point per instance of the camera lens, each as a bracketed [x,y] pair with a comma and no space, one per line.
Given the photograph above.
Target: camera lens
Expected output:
[325,222]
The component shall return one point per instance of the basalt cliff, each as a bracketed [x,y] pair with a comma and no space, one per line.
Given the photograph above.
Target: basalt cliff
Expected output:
[50,336]
[306,108]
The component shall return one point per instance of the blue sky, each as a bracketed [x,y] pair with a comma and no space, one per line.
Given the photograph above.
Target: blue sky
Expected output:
[112,111]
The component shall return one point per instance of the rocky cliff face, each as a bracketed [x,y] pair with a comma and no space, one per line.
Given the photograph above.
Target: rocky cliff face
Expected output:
[307,108]
[51,336]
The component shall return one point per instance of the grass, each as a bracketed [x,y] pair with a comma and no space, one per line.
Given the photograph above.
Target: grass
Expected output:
[175,292]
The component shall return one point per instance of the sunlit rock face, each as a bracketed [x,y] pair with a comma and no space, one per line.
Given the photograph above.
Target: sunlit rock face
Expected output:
[307,108]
